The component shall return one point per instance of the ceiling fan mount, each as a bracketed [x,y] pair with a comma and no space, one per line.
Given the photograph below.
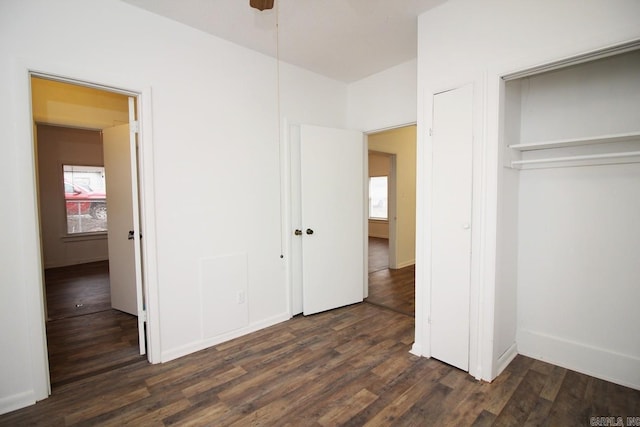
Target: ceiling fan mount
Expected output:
[261,4]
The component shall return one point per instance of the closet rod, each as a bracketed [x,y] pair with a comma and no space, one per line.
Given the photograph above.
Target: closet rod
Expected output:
[570,158]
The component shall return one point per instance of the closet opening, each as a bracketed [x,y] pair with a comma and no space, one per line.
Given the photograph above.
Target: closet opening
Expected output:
[568,233]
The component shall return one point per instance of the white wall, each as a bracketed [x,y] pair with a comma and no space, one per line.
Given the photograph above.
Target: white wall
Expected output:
[383,100]
[211,172]
[466,41]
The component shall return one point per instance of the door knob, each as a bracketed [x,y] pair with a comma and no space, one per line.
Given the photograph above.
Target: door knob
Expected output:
[309,231]
[130,236]
[298,232]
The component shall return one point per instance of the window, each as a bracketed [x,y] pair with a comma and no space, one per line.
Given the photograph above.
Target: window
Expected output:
[85,199]
[378,190]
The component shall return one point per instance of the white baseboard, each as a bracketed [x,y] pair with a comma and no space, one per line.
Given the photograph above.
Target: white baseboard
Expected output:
[406,263]
[17,401]
[416,350]
[175,353]
[68,263]
[597,362]
[378,235]
[505,359]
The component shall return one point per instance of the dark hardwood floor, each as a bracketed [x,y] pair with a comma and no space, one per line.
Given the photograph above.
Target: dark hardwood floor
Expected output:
[77,290]
[349,366]
[85,336]
[90,344]
[378,254]
[392,289]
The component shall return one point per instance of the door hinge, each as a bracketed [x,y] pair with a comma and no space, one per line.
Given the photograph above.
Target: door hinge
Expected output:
[143,315]
[135,126]
[430,132]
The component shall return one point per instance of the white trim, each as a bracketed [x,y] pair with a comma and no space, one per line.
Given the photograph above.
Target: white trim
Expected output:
[393,127]
[506,358]
[406,264]
[487,250]
[594,361]
[32,255]
[286,222]
[579,58]
[365,214]
[16,401]
[416,350]
[146,193]
[81,82]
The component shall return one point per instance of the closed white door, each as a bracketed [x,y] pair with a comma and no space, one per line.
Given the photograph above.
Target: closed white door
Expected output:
[119,146]
[451,225]
[332,217]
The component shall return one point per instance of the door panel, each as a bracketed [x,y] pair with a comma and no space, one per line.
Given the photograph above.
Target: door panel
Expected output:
[137,235]
[117,163]
[451,226]
[332,199]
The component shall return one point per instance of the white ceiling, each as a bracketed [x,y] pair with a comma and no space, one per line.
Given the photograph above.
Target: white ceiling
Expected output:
[344,40]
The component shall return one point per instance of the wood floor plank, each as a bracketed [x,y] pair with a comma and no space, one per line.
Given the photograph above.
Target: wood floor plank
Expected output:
[347,409]
[400,405]
[212,381]
[522,401]
[569,405]
[428,409]
[149,415]
[539,415]
[555,378]
[485,419]
[502,392]
[104,404]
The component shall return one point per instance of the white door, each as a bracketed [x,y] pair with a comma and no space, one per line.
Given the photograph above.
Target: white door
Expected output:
[125,275]
[332,217]
[451,226]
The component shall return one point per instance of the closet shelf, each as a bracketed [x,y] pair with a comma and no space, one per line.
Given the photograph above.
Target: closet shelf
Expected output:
[573,142]
[574,158]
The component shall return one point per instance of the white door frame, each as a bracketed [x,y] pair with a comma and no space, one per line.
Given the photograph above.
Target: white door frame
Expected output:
[23,72]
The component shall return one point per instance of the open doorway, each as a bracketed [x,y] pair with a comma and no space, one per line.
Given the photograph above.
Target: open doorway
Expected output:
[391,217]
[85,334]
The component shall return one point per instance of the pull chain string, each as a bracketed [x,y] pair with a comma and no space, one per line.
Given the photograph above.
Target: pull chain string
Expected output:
[280,160]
